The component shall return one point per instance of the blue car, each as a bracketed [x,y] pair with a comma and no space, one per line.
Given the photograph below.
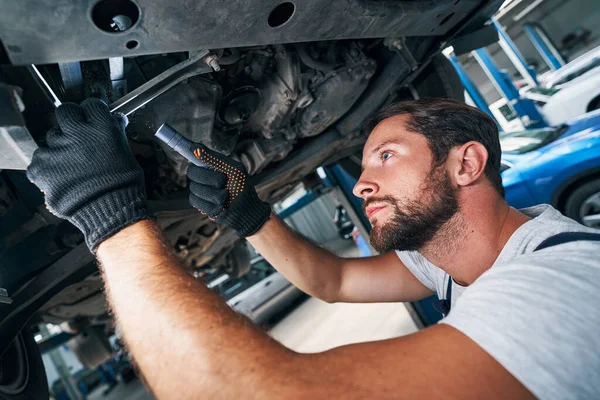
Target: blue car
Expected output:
[558,166]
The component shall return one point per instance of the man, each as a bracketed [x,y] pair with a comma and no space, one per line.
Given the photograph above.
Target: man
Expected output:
[521,323]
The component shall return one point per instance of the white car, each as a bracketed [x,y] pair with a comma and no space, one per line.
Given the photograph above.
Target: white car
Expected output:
[563,94]
[573,100]
[556,105]
[539,95]
[579,69]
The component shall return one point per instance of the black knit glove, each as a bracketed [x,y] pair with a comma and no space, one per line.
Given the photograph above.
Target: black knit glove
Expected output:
[224,194]
[88,173]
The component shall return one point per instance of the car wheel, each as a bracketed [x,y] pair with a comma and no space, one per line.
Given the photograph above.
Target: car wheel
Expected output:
[594,105]
[22,373]
[438,80]
[583,205]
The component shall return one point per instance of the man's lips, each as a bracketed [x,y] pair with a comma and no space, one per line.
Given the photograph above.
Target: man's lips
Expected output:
[373,209]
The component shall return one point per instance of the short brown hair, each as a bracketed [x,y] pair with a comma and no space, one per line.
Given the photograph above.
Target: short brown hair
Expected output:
[446,124]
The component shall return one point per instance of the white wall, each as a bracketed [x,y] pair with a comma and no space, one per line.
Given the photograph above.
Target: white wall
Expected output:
[315,221]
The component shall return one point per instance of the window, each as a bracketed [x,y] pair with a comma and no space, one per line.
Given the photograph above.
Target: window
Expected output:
[543,91]
[593,63]
[526,141]
[508,112]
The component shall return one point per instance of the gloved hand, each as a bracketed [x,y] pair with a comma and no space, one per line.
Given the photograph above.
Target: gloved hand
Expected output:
[87,172]
[224,193]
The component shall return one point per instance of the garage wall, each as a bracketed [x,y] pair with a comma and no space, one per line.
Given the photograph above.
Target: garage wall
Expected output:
[566,16]
[558,18]
[315,221]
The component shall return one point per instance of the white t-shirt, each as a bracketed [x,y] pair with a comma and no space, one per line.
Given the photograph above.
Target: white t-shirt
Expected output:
[537,314]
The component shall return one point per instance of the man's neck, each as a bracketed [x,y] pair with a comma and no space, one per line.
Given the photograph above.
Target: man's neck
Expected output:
[472,240]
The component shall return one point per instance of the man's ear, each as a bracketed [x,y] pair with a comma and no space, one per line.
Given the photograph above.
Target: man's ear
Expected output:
[468,162]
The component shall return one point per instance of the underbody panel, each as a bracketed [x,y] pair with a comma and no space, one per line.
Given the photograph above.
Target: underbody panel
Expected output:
[41,32]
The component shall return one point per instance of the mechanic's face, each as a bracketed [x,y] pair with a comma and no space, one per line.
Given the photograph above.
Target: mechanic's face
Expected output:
[405,199]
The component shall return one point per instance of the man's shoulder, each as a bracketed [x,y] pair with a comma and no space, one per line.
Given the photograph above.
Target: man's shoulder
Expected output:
[545,222]
[545,214]
[552,256]
[551,285]
[519,311]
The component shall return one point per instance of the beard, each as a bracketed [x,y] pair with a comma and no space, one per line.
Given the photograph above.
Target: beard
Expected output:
[414,223]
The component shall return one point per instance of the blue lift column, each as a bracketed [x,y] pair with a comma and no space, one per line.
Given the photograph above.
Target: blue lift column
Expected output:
[525,108]
[544,46]
[515,56]
[470,87]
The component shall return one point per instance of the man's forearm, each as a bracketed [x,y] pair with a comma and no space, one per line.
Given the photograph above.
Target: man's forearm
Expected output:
[312,269]
[172,321]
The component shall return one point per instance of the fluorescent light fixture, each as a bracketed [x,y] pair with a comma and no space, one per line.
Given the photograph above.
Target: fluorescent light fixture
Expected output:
[527,10]
[448,51]
[506,3]
[506,7]
[321,173]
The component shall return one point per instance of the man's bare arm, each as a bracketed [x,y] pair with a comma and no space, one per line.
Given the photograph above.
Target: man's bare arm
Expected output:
[190,344]
[186,340]
[326,276]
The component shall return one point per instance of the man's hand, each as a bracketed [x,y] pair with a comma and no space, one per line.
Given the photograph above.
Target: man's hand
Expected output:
[225,194]
[88,173]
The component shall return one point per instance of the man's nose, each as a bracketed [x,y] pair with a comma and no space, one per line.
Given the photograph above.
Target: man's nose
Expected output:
[365,188]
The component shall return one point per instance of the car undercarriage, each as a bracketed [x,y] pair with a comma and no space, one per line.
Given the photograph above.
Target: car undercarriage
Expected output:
[282,87]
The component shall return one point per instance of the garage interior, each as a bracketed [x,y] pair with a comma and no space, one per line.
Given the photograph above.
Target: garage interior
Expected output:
[329,215]
[563,21]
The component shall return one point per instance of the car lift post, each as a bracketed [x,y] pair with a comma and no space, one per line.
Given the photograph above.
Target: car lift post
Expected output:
[422,312]
[515,55]
[470,87]
[544,46]
[525,108]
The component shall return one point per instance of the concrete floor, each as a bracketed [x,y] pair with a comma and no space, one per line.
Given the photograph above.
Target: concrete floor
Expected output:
[317,326]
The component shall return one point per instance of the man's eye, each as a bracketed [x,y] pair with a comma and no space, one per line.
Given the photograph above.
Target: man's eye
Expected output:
[385,155]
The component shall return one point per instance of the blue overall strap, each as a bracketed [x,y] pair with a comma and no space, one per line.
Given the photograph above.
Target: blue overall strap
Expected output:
[566,237]
[444,305]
